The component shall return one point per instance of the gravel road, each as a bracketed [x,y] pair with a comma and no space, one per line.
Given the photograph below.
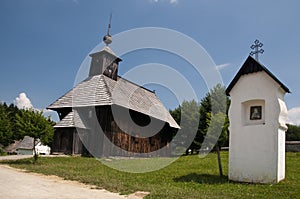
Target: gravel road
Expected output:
[15,183]
[18,184]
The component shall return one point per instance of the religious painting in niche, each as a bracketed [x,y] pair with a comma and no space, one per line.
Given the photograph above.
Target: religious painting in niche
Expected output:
[255,113]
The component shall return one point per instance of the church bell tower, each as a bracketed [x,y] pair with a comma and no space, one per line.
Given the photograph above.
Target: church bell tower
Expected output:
[105,61]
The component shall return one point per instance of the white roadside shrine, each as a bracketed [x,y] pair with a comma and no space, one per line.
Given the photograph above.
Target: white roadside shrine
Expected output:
[257,117]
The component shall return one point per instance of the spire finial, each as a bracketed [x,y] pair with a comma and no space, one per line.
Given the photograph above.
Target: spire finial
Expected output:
[107,38]
[257,44]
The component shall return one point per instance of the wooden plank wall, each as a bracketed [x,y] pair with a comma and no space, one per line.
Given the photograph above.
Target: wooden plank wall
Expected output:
[124,144]
[117,142]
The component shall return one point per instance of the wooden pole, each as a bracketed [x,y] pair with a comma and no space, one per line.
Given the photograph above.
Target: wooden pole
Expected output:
[219,159]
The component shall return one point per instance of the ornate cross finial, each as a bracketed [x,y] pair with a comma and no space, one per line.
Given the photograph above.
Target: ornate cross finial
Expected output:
[107,38]
[257,44]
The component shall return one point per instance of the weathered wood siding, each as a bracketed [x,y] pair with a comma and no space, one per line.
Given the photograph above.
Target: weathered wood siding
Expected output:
[124,144]
[115,142]
[67,141]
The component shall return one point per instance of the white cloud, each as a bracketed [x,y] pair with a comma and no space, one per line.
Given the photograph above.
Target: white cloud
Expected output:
[294,116]
[173,1]
[222,66]
[23,102]
[168,1]
[53,115]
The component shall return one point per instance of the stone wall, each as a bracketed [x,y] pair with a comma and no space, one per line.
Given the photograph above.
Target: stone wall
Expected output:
[292,146]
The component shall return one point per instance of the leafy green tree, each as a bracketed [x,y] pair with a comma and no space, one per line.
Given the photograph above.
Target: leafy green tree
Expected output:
[217,122]
[190,120]
[34,124]
[218,99]
[293,133]
[6,135]
[218,129]
[12,110]
[205,110]
[187,116]
[217,134]
[176,114]
[215,102]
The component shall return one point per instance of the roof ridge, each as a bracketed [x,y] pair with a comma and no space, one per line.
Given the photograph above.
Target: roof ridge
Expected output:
[68,91]
[106,86]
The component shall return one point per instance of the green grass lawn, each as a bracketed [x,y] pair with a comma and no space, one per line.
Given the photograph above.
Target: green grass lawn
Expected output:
[187,177]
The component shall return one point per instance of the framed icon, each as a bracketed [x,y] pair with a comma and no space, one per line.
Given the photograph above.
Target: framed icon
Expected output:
[255,113]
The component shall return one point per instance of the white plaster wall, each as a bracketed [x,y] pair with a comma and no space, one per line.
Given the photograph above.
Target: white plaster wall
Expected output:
[281,155]
[281,136]
[253,147]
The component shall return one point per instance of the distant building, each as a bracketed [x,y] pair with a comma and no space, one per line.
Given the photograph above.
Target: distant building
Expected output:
[25,147]
[12,148]
[92,103]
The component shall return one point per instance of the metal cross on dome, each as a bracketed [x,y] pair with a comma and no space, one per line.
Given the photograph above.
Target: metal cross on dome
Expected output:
[257,44]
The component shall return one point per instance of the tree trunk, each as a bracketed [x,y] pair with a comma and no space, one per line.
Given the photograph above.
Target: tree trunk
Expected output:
[34,151]
[219,160]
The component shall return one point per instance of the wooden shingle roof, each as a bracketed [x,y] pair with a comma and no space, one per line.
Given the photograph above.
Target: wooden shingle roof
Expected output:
[70,120]
[12,148]
[100,90]
[67,121]
[27,143]
[253,66]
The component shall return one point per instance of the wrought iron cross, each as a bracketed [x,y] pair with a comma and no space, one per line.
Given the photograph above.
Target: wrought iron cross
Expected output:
[257,44]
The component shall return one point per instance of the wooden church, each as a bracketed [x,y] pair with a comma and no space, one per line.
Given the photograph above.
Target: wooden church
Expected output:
[107,115]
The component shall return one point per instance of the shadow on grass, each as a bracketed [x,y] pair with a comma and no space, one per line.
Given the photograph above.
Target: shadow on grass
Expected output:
[202,179]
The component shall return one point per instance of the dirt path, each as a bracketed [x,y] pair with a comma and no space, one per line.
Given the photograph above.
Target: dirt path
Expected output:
[17,184]
[14,157]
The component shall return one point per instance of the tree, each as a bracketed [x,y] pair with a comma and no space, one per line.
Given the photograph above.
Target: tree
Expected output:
[293,133]
[219,124]
[205,110]
[190,121]
[217,121]
[187,115]
[213,103]
[218,99]
[5,126]
[34,124]
[213,122]
[12,110]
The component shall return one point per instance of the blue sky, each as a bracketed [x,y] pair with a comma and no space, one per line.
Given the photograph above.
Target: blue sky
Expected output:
[43,42]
